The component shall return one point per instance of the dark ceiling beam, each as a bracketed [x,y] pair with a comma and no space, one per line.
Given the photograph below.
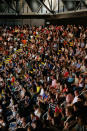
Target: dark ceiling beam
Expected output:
[9,3]
[42,3]
[34,5]
[67,15]
[1,1]
[84,2]
[40,7]
[72,4]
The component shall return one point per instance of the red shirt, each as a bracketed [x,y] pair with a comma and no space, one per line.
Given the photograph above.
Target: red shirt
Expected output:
[13,79]
[57,109]
[66,74]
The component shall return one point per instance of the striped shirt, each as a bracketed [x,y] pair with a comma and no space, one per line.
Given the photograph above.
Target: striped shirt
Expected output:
[52,106]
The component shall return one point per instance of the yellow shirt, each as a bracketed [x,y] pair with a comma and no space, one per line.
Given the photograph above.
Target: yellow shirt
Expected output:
[0,96]
[38,89]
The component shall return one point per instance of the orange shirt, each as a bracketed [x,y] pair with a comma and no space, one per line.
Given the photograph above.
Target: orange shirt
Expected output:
[24,42]
[13,79]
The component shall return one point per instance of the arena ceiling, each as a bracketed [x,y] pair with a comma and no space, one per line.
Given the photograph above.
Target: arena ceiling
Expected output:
[40,6]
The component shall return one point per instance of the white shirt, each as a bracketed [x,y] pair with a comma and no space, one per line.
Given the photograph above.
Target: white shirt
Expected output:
[42,92]
[37,113]
[75,99]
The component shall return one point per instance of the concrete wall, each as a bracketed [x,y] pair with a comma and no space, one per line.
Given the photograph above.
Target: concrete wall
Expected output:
[36,22]
[31,22]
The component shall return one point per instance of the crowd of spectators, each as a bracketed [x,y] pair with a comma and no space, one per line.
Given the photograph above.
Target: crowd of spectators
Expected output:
[43,78]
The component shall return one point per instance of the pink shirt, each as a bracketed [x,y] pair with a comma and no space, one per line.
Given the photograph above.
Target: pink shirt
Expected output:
[54,83]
